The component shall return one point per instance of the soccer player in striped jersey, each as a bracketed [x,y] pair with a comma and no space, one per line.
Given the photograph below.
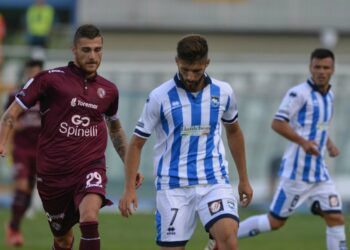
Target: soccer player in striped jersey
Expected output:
[187,113]
[303,118]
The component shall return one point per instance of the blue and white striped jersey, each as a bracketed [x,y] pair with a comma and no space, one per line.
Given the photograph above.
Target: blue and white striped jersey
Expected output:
[309,113]
[189,149]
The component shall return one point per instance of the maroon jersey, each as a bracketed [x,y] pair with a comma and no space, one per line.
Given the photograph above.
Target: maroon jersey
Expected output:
[27,130]
[73,135]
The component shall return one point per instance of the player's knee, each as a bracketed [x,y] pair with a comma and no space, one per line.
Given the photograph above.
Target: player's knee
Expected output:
[65,241]
[276,223]
[88,216]
[227,241]
[334,219]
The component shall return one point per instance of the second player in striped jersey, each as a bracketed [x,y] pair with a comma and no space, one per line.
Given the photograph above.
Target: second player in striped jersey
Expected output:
[303,118]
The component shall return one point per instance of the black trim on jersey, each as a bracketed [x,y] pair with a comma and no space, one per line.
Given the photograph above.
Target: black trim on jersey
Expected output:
[142,134]
[314,87]
[230,121]
[212,222]
[278,217]
[282,117]
[180,84]
[172,243]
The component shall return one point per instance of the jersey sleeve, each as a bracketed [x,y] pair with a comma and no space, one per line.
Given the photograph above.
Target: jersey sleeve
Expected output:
[290,105]
[112,111]
[28,96]
[230,115]
[149,118]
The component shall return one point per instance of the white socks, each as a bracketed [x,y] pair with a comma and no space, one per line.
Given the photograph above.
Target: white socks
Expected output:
[254,225]
[336,239]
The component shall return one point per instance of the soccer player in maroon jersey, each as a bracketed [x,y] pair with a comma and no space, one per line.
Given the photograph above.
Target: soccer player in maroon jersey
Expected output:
[25,139]
[76,103]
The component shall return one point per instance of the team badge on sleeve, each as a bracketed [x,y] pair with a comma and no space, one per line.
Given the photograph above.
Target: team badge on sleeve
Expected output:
[215,206]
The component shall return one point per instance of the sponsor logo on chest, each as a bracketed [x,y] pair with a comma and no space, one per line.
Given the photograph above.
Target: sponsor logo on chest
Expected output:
[76,102]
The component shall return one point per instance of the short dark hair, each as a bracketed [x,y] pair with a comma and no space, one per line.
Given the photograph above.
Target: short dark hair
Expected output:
[34,63]
[321,53]
[192,48]
[86,31]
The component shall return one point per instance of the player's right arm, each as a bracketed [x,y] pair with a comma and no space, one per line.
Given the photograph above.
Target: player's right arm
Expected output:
[284,129]
[132,163]
[7,124]
[290,106]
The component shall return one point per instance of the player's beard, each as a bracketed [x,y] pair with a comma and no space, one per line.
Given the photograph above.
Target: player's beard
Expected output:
[192,85]
[90,68]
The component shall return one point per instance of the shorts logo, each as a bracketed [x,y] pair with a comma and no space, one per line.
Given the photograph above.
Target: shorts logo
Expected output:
[56,226]
[333,201]
[294,203]
[231,204]
[215,207]
[51,217]
[171,231]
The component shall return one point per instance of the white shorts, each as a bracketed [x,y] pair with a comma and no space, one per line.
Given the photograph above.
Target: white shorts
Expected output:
[290,194]
[178,209]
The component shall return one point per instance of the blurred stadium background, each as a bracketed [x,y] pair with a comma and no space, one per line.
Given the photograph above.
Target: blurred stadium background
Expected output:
[261,47]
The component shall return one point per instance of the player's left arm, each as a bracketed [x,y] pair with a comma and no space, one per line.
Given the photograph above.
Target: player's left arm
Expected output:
[120,143]
[235,140]
[333,150]
[118,136]
[8,124]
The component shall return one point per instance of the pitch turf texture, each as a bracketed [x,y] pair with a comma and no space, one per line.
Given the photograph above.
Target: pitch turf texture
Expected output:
[138,233]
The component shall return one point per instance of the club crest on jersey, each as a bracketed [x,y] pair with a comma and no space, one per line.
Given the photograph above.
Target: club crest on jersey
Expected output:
[215,101]
[101,92]
[215,207]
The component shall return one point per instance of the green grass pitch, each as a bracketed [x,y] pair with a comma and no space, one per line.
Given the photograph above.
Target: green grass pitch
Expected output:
[138,233]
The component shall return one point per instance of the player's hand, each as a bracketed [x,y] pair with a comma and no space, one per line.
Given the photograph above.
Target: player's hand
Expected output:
[2,151]
[333,150]
[128,202]
[139,180]
[245,192]
[311,147]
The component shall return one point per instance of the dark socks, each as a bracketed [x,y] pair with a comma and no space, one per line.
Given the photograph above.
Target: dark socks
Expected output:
[20,204]
[90,238]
